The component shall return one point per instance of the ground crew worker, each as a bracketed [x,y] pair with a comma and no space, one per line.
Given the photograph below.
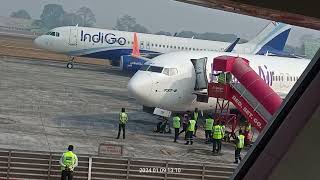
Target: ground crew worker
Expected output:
[190,131]
[247,134]
[239,146]
[176,126]
[68,162]
[222,78]
[208,128]
[185,121]
[217,136]
[223,127]
[123,119]
[195,117]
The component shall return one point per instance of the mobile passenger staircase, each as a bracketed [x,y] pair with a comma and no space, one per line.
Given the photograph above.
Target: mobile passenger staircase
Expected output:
[249,93]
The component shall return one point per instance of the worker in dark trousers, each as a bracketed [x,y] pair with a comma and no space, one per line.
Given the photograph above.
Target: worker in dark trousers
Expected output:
[123,119]
[185,121]
[190,131]
[217,135]
[208,128]
[195,117]
[239,146]
[176,126]
[68,162]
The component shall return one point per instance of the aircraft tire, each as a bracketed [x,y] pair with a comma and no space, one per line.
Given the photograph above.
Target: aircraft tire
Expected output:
[70,65]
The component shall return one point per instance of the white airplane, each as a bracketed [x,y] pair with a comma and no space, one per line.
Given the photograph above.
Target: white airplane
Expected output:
[111,44]
[168,81]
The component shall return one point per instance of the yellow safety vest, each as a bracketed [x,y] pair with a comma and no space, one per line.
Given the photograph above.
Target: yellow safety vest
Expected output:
[223,127]
[123,118]
[195,116]
[217,132]
[240,143]
[192,124]
[248,127]
[222,78]
[69,159]
[209,124]
[176,122]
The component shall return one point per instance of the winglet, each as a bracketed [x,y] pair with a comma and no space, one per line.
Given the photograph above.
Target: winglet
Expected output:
[135,46]
[231,46]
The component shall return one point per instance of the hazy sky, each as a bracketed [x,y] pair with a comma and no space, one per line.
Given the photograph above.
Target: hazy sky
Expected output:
[156,15]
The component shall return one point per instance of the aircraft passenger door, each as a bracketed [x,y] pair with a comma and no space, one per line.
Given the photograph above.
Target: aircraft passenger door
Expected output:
[73,36]
[147,45]
[200,67]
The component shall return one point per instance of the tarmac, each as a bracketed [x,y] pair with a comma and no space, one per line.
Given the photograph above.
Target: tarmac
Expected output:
[45,107]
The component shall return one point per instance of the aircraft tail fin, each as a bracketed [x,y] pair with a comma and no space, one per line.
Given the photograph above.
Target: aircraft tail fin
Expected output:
[273,36]
[231,46]
[135,46]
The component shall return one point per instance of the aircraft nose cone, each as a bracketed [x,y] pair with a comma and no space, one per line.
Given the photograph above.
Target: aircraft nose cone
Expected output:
[39,42]
[140,86]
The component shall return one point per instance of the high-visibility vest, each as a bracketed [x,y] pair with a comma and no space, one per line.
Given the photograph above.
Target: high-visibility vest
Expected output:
[123,118]
[248,127]
[240,143]
[176,122]
[217,132]
[209,124]
[222,78]
[69,159]
[223,127]
[196,116]
[192,124]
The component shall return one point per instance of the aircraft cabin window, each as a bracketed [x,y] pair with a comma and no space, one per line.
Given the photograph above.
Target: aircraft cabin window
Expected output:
[189,49]
[144,68]
[155,69]
[167,46]
[182,48]
[290,78]
[57,34]
[156,45]
[281,78]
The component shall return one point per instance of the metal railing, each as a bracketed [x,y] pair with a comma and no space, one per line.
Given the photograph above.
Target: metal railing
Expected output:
[17,164]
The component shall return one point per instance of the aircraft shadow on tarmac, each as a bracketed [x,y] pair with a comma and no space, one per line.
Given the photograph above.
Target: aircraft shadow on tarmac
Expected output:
[77,66]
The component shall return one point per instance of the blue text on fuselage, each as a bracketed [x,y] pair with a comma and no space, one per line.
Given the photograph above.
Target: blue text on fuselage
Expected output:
[109,38]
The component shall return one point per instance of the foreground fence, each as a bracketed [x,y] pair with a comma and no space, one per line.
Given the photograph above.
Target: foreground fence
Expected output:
[16,164]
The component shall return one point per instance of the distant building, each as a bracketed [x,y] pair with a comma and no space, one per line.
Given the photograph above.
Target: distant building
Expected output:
[311,47]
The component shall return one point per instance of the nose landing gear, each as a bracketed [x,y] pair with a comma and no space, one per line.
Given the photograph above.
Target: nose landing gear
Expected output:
[70,63]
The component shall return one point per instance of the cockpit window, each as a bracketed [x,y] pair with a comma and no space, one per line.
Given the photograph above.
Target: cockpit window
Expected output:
[155,69]
[53,33]
[166,71]
[170,71]
[144,68]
